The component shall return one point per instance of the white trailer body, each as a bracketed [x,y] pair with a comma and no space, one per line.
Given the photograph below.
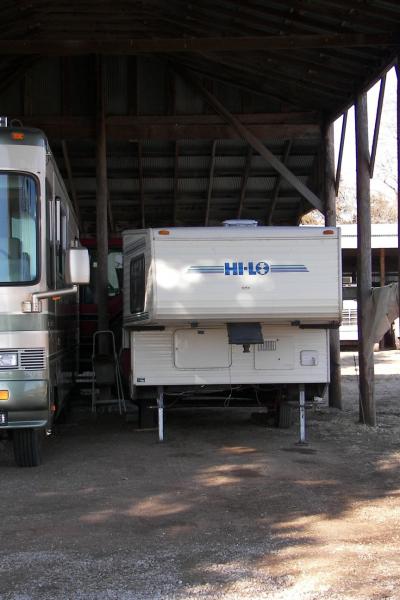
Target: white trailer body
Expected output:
[203,356]
[182,286]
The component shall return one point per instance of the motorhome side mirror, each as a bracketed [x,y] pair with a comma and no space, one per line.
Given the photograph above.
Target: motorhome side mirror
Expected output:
[77,266]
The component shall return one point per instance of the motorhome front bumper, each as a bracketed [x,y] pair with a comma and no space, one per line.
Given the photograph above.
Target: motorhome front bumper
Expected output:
[26,405]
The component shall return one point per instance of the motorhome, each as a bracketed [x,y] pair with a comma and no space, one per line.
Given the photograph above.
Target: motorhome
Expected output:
[226,306]
[41,266]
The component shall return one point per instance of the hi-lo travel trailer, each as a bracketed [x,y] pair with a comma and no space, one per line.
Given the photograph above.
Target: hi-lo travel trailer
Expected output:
[224,306]
[39,257]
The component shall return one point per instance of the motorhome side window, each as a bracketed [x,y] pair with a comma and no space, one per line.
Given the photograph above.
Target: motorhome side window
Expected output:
[50,235]
[137,276]
[18,229]
[61,237]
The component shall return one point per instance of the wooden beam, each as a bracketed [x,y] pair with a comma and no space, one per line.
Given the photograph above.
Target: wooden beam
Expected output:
[66,78]
[278,183]
[382,282]
[71,184]
[101,202]
[245,177]
[364,267]
[398,177]
[210,181]
[176,177]
[253,141]
[110,215]
[141,183]
[16,73]
[132,84]
[335,386]
[340,155]
[377,126]
[176,127]
[64,47]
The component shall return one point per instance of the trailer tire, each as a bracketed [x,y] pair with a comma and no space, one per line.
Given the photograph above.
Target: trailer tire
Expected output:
[27,447]
[284,415]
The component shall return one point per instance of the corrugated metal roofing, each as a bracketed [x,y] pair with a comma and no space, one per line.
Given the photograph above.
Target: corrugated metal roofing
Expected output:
[279,62]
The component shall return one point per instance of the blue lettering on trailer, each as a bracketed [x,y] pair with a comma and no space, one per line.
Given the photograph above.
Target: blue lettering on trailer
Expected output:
[249,268]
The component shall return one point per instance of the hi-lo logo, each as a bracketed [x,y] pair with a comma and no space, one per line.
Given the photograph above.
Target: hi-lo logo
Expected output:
[248,268]
[239,268]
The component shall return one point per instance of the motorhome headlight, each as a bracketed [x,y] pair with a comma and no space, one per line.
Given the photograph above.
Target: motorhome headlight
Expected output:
[8,359]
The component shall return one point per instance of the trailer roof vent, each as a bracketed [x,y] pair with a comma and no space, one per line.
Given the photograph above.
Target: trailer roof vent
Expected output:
[240,223]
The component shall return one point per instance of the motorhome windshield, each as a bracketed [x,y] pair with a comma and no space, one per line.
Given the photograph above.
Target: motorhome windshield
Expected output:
[18,229]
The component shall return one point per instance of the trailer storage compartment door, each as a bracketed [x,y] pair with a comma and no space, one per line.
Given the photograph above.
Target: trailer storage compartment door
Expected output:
[202,349]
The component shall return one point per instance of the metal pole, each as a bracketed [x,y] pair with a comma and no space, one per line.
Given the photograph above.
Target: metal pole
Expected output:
[160,404]
[364,267]
[101,203]
[335,387]
[302,407]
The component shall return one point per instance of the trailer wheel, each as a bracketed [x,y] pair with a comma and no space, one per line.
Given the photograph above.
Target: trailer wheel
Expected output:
[284,420]
[27,447]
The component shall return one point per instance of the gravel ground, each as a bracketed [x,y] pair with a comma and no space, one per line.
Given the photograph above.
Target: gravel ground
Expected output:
[224,509]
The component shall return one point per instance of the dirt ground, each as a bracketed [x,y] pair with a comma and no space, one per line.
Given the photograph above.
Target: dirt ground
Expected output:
[224,509]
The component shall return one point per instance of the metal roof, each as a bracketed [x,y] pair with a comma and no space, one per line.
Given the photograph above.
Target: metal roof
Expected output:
[283,67]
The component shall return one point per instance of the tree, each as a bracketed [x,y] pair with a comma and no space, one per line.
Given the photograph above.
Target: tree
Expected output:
[383,209]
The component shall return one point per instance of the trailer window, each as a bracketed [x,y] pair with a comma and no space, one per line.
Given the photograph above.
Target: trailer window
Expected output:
[18,229]
[137,276]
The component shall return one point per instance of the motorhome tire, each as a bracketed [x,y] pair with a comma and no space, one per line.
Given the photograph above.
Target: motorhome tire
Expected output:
[27,447]
[284,415]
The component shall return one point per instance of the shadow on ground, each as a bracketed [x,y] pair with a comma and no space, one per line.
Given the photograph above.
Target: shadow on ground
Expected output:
[223,509]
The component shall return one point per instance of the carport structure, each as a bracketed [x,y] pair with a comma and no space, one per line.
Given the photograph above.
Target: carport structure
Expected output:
[176,113]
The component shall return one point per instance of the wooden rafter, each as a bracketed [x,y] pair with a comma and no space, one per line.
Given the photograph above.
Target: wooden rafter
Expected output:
[175,127]
[141,184]
[210,181]
[377,126]
[176,180]
[278,183]
[340,155]
[245,178]
[71,183]
[77,46]
[253,141]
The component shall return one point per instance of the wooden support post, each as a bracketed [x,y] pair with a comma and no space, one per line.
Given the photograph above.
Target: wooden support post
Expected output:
[101,203]
[364,267]
[382,266]
[335,387]
[398,178]
[382,281]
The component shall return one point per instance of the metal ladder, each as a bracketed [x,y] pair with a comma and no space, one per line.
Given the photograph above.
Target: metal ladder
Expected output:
[106,374]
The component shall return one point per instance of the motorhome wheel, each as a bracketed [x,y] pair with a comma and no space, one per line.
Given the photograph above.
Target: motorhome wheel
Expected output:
[27,447]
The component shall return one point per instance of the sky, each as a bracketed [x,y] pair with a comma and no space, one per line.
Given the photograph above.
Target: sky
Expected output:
[385,173]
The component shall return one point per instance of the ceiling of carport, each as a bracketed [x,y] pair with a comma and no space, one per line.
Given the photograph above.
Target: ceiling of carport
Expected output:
[284,67]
